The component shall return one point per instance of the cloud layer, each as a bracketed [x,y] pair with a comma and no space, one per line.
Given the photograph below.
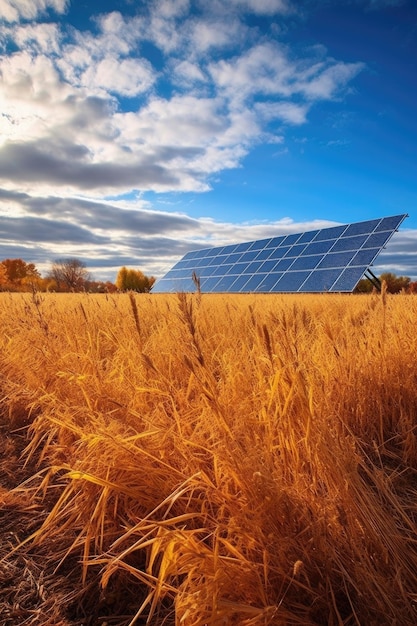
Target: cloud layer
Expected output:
[86,110]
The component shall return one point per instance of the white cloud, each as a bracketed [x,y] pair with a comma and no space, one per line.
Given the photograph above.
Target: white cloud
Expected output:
[326,82]
[267,69]
[41,38]
[118,35]
[168,9]
[288,112]
[164,31]
[15,10]
[265,7]
[127,77]
[175,142]
[182,121]
[30,87]
[188,74]
[205,34]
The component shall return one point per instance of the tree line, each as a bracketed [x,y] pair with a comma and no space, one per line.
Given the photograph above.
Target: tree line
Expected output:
[394,283]
[71,275]
[68,275]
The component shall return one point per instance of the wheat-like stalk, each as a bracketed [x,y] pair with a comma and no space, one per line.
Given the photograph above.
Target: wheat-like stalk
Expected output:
[253,463]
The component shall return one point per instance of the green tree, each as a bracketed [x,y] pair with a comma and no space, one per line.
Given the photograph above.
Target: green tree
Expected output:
[134,280]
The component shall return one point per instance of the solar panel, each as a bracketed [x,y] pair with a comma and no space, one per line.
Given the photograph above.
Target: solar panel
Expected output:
[331,259]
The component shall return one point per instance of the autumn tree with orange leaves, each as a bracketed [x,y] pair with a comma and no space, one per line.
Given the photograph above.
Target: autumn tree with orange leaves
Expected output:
[17,275]
[134,280]
[3,275]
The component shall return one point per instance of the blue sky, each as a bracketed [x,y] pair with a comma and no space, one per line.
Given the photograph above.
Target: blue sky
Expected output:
[133,132]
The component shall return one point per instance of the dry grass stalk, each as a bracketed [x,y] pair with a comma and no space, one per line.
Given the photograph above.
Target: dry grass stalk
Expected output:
[254,464]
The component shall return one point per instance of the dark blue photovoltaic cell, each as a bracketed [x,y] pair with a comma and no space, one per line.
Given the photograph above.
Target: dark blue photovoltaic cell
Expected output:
[349,243]
[186,284]
[364,257]
[259,245]
[278,253]
[220,270]
[207,271]
[171,274]
[225,283]
[321,280]
[250,255]
[240,283]
[318,248]
[276,241]
[290,240]
[283,264]
[292,281]
[306,262]
[238,268]
[215,260]
[181,264]
[308,236]
[254,281]
[331,259]
[165,284]
[389,223]
[336,259]
[208,283]
[267,283]
[297,249]
[234,258]
[348,279]
[263,254]
[377,240]
[214,251]
[242,247]
[268,266]
[360,228]
[330,233]
[254,267]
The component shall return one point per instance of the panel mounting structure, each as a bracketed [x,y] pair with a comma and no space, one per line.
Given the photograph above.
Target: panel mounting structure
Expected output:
[327,260]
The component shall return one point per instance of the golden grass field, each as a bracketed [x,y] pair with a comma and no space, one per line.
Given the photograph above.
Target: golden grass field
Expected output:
[208,460]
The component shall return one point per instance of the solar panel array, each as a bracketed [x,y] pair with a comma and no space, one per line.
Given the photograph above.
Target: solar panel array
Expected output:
[331,259]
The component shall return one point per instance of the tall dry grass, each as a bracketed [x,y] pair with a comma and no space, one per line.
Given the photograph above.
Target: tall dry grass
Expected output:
[216,459]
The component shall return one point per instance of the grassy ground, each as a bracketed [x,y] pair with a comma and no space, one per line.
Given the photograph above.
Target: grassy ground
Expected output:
[208,460]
